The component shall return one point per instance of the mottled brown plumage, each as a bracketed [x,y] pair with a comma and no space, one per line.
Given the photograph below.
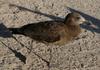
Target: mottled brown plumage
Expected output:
[56,32]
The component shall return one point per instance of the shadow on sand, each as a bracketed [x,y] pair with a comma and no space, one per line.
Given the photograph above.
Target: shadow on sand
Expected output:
[4,32]
[17,54]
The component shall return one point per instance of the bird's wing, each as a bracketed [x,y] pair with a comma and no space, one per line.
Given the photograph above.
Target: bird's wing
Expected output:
[47,38]
[41,32]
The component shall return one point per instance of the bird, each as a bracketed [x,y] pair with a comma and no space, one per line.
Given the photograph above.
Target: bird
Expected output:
[53,32]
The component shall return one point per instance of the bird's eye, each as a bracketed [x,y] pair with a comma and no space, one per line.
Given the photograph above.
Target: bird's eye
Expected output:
[78,17]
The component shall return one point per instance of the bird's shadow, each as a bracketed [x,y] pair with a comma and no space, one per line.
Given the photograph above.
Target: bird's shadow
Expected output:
[94,20]
[4,32]
[36,12]
[17,54]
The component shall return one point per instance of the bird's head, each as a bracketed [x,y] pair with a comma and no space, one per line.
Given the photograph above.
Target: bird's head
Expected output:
[74,19]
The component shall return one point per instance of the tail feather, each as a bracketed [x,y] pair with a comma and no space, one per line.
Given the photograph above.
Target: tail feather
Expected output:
[15,30]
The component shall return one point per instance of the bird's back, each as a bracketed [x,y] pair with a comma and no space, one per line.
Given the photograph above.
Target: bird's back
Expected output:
[44,31]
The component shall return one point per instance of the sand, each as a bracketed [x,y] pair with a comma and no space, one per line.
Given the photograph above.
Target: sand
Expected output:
[80,54]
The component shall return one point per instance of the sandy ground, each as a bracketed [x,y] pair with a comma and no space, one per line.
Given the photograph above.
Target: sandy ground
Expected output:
[81,54]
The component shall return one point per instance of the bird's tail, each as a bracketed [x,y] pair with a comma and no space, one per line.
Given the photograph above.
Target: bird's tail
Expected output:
[15,30]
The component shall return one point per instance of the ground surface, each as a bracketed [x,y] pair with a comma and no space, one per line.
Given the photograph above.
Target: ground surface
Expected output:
[81,54]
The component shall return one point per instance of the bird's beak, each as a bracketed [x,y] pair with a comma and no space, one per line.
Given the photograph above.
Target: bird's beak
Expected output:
[82,20]
[87,22]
